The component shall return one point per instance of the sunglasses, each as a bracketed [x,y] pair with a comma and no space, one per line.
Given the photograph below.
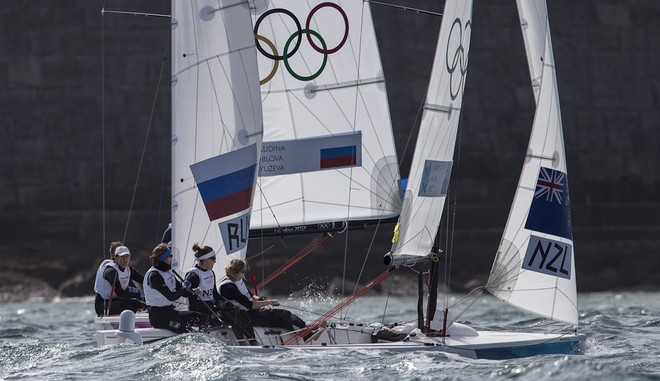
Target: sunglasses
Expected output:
[212,258]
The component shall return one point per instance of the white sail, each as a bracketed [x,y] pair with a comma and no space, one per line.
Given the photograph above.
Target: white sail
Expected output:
[534,268]
[216,127]
[328,152]
[432,162]
[534,24]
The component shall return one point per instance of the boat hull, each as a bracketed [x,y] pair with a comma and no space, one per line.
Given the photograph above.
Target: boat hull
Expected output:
[462,340]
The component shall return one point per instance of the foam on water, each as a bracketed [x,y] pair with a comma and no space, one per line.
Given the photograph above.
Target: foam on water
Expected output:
[55,341]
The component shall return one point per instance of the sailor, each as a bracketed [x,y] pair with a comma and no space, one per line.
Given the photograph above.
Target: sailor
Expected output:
[115,283]
[201,279]
[161,289]
[244,311]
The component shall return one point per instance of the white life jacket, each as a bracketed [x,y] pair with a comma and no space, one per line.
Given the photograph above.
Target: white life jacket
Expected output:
[206,283]
[153,297]
[242,288]
[103,287]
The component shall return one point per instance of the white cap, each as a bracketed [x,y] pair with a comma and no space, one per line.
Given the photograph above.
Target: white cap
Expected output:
[121,251]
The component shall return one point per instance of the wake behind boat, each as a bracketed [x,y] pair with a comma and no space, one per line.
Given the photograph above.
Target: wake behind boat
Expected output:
[336,119]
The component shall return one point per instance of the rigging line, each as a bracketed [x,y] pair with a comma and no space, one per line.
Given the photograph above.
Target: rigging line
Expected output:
[320,322]
[146,138]
[387,300]
[364,263]
[402,7]
[474,300]
[301,254]
[480,290]
[103,216]
[270,208]
[263,251]
[162,189]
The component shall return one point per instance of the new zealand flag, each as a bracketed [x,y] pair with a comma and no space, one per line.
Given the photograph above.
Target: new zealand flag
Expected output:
[550,211]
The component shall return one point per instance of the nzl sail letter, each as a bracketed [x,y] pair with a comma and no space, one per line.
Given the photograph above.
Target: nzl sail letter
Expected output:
[549,257]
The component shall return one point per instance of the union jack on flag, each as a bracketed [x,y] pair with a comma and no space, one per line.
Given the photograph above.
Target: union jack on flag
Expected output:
[550,211]
[551,185]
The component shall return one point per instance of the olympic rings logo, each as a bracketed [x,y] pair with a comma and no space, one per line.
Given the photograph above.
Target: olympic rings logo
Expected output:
[460,58]
[297,36]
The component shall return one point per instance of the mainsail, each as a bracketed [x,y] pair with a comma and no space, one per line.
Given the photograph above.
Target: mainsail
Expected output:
[328,155]
[216,127]
[534,268]
[432,162]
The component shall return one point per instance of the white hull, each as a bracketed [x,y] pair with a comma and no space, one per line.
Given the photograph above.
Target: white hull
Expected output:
[462,340]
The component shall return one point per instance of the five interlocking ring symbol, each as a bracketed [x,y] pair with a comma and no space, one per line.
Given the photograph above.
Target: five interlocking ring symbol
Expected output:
[297,35]
[460,59]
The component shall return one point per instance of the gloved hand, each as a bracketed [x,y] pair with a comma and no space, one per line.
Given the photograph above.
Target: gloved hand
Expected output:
[197,291]
[187,293]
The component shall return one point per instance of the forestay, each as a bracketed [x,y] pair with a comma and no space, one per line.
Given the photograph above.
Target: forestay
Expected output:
[216,127]
[534,268]
[328,152]
[432,162]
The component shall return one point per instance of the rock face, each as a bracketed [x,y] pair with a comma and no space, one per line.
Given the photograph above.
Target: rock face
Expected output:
[84,160]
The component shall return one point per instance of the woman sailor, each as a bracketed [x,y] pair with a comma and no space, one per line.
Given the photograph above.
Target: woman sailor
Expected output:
[244,311]
[208,301]
[161,289]
[115,283]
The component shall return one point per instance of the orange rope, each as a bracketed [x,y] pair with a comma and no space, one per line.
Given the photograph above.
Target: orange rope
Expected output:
[324,318]
[303,253]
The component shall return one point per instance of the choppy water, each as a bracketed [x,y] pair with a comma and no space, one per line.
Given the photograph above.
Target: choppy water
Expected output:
[54,341]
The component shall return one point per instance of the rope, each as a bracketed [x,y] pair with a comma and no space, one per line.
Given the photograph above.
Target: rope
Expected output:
[103,127]
[146,138]
[303,253]
[321,321]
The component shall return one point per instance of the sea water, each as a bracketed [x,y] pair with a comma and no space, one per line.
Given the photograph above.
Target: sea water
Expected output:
[55,341]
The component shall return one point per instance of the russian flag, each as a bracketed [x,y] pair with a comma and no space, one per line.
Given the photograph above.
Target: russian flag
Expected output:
[226,182]
[338,157]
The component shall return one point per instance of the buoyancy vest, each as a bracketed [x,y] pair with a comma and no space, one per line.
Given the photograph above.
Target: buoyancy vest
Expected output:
[206,283]
[152,296]
[242,288]
[103,287]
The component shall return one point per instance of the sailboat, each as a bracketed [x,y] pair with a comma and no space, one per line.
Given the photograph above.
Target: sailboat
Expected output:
[539,277]
[217,127]
[534,265]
